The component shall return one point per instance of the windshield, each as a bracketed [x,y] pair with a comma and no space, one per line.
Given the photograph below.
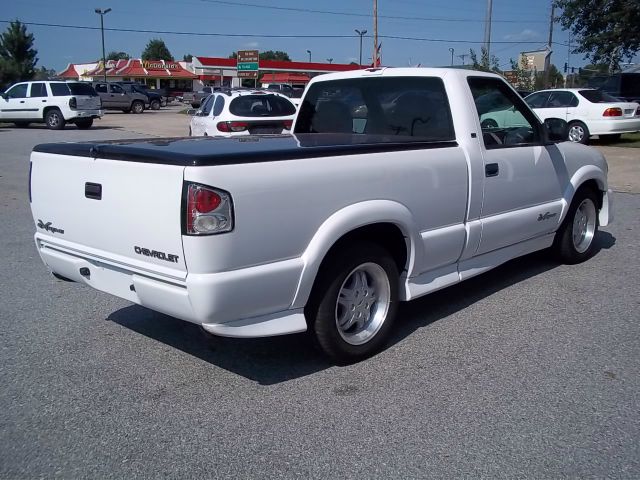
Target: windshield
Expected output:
[598,96]
[261,106]
[79,88]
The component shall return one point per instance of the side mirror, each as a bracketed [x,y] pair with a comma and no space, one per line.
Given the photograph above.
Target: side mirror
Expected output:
[557,130]
[191,112]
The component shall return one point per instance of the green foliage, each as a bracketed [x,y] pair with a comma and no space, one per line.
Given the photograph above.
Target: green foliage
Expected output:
[156,50]
[17,55]
[118,56]
[606,31]
[523,77]
[485,64]
[187,57]
[44,73]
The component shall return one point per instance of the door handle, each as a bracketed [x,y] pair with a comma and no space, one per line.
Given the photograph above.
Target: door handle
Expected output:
[491,170]
[21,101]
[93,191]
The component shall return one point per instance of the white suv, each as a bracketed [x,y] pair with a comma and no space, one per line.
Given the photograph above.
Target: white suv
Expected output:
[242,112]
[54,103]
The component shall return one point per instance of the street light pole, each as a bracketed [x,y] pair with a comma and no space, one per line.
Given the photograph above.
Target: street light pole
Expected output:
[309,52]
[451,50]
[102,13]
[361,34]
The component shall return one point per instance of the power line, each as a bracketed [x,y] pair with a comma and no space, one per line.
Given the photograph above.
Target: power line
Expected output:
[353,14]
[258,35]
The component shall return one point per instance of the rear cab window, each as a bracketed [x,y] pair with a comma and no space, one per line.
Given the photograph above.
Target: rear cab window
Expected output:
[261,105]
[406,108]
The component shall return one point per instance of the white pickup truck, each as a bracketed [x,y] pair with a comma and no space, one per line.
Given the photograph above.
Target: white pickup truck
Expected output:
[387,190]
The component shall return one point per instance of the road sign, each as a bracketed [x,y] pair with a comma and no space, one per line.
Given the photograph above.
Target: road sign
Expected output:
[249,74]
[249,66]
[248,63]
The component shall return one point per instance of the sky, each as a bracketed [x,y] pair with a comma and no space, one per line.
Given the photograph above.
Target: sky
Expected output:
[518,25]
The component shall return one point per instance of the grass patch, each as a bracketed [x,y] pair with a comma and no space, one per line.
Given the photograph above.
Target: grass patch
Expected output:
[631,140]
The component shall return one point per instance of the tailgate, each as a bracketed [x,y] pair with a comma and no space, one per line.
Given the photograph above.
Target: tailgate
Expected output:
[120,211]
[86,102]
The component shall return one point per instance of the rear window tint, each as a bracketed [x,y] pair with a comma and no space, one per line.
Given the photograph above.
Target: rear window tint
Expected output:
[597,96]
[82,89]
[60,89]
[261,106]
[398,106]
[38,89]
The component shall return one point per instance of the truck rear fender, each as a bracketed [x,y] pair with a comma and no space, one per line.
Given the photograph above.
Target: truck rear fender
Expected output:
[346,221]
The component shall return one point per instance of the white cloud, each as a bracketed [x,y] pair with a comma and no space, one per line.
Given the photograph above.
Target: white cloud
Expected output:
[251,45]
[525,35]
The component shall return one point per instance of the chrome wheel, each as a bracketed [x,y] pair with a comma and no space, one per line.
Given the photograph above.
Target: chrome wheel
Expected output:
[53,119]
[363,303]
[576,133]
[584,225]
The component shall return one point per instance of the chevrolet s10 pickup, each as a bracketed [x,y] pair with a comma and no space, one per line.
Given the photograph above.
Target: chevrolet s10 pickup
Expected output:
[387,189]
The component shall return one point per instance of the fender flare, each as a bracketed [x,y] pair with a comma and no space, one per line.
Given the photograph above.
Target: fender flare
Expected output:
[345,221]
[581,176]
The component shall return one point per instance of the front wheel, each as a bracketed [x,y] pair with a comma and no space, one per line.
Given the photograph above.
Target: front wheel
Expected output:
[354,302]
[573,242]
[137,107]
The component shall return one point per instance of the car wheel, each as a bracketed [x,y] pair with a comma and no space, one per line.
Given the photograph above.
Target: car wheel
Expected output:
[21,124]
[54,119]
[610,138]
[488,123]
[163,103]
[354,302]
[137,107]
[578,132]
[84,124]
[573,242]
[155,105]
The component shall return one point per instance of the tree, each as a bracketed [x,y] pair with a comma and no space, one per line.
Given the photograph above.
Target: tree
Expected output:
[187,58]
[523,77]
[118,56]
[485,64]
[45,74]
[156,50]
[605,30]
[17,55]
[269,55]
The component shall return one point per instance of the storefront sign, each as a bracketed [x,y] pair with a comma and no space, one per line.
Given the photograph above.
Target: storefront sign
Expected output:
[149,65]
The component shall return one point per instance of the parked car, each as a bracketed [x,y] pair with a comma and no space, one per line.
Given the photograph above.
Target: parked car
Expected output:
[588,112]
[154,99]
[195,98]
[54,103]
[242,112]
[285,89]
[325,230]
[624,85]
[115,97]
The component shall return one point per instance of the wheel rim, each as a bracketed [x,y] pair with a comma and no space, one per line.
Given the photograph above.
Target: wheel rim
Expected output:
[54,121]
[136,108]
[584,225]
[576,133]
[363,303]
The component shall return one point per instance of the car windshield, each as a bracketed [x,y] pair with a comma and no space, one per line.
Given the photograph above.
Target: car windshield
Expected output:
[79,88]
[261,106]
[597,96]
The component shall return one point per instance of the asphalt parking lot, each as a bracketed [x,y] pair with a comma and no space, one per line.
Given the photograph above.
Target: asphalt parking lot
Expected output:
[530,370]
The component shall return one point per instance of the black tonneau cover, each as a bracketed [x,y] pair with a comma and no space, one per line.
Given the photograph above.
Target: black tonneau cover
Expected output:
[203,151]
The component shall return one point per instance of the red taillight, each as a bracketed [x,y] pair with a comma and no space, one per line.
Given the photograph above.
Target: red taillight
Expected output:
[208,211]
[288,124]
[73,103]
[232,126]
[612,112]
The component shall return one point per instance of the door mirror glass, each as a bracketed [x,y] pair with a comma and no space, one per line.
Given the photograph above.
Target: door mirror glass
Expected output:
[557,129]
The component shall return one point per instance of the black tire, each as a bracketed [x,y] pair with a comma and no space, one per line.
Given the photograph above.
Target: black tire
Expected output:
[22,124]
[614,137]
[324,312]
[84,124]
[54,119]
[489,123]
[137,107]
[578,133]
[564,244]
[154,104]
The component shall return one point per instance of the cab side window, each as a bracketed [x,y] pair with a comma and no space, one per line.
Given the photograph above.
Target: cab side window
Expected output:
[38,89]
[116,89]
[18,91]
[537,100]
[562,99]
[504,119]
[101,88]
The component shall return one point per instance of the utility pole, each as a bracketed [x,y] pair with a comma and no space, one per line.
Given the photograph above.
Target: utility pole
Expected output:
[102,13]
[375,33]
[487,30]
[361,33]
[568,63]
[547,59]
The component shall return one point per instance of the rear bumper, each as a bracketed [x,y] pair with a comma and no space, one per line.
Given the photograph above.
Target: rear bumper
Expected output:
[76,114]
[614,126]
[250,302]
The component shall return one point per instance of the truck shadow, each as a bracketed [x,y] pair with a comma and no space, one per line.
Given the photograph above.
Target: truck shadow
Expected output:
[274,360]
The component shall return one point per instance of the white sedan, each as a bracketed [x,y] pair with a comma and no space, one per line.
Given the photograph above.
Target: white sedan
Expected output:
[587,111]
[242,112]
